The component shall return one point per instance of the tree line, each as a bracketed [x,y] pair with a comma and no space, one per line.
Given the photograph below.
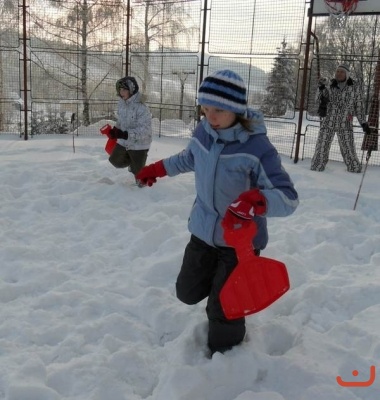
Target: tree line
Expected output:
[78,48]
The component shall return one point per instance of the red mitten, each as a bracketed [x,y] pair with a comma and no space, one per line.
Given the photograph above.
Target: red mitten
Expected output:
[149,173]
[241,211]
[255,199]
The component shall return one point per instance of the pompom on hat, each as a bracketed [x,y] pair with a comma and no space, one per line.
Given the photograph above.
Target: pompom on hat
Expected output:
[129,83]
[224,89]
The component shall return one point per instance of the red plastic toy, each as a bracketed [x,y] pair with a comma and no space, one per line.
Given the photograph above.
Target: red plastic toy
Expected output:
[256,282]
[111,143]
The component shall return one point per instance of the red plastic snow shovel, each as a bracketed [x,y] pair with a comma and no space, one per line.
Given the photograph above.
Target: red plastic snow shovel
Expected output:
[256,282]
[111,143]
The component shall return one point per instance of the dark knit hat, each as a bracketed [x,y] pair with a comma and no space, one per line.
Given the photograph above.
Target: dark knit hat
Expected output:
[346,69]
[224,89]
[129,83]
[344,66]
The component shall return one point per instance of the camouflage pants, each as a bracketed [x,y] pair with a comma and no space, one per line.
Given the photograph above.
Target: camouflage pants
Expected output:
[347,149]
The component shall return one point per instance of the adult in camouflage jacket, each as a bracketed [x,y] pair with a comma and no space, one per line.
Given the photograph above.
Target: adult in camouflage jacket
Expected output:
[339,103]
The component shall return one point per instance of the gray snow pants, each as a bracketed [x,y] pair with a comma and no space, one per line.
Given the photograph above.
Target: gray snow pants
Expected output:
[346,145]
[122,158]
[203,273]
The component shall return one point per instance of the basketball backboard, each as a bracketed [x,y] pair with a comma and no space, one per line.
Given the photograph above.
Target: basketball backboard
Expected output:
[363,7]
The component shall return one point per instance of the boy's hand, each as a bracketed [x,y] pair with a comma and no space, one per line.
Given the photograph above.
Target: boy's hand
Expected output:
[149,173]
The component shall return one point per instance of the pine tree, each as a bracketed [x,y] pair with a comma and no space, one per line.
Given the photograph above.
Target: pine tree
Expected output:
[281,85]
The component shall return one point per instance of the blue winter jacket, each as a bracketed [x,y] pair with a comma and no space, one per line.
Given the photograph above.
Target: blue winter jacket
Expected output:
[226,163]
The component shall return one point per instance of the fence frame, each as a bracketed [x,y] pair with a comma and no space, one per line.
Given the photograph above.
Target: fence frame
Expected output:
[308,53]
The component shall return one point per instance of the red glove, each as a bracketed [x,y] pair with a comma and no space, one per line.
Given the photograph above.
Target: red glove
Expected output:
[149,173]
[244,208]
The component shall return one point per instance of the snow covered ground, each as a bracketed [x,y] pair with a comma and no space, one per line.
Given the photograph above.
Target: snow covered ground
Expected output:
[87,285]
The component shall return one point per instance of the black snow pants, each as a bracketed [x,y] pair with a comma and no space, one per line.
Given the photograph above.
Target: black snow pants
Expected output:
[203,273]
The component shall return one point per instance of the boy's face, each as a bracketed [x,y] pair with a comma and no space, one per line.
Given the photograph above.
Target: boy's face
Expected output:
[124,93]
[218,118]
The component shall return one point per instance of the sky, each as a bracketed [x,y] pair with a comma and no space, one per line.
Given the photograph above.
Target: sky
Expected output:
[87,284]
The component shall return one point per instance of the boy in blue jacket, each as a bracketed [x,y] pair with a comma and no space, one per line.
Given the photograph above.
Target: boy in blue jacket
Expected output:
[238,177]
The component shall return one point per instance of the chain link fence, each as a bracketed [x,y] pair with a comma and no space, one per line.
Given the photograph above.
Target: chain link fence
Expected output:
[59,61]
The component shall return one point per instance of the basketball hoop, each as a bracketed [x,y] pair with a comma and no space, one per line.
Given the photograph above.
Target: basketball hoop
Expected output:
[339,11]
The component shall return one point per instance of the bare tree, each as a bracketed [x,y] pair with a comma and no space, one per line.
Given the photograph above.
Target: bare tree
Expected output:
[86,27]
[160,26]
[353,44]
[8,15]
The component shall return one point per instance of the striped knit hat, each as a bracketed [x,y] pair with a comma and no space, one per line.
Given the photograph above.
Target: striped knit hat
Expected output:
[224,89]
